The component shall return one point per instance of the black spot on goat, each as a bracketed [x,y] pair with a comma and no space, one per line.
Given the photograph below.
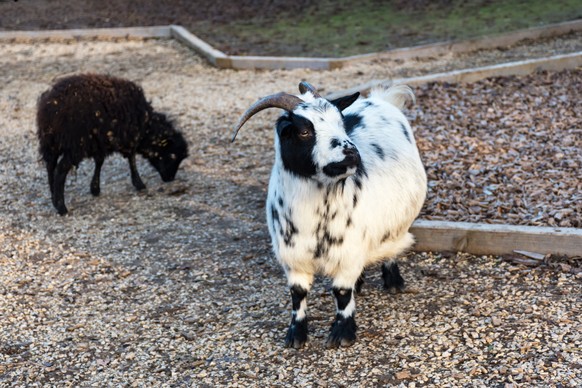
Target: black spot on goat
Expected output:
[378,150]
[352,121]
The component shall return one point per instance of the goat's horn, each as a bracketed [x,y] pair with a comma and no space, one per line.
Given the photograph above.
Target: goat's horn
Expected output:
[305,86]
[280,100]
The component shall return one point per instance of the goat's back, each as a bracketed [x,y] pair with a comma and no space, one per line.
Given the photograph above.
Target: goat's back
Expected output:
[394,180]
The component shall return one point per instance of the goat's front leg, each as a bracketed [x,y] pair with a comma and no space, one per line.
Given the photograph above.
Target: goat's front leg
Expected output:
[135,179]
[343,329]
[297,333]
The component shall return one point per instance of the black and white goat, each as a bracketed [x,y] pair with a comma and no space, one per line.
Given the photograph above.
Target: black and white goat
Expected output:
[346,185]
[91,116]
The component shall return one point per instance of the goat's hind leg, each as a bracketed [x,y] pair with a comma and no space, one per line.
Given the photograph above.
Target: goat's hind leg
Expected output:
[360,283]
[393,281]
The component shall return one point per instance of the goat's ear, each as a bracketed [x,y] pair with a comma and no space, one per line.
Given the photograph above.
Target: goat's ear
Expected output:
[343,102]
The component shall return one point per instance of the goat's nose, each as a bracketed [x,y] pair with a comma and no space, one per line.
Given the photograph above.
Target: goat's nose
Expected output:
[350,152]
[352,156]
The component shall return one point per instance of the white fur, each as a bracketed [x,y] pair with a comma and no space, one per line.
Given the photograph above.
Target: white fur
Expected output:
[390,198]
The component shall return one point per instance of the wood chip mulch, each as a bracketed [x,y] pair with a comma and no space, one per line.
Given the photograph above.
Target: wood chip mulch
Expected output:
[504,150]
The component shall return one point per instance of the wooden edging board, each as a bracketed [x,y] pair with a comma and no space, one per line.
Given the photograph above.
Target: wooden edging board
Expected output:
[222,60]
[497,239]
[487,42]
[91,33]
[556,63]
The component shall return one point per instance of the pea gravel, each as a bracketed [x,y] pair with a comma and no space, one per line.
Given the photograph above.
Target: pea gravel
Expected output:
[176,286]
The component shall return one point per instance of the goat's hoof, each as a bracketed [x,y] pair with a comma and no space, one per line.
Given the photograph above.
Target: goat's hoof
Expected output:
[343,333]
[395,290]
[62,210]
[393,281]
[296,335]
[95,191]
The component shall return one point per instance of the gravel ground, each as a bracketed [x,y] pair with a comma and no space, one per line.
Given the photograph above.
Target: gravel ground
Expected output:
[176,286]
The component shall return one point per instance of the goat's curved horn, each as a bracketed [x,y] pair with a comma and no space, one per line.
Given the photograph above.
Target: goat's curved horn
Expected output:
[305,86]
[280,100]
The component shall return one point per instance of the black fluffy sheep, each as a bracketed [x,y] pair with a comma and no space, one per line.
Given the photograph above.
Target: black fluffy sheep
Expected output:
[92,116]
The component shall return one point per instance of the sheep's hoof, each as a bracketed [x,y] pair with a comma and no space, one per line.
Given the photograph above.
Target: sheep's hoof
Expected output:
[343,333]
[296,335]
[62,210]
[393,281]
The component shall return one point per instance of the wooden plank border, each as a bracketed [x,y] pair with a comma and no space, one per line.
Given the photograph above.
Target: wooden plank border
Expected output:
[222,60]
[498,239]
[214,56]
[487,42]
[557,62]
[92,33]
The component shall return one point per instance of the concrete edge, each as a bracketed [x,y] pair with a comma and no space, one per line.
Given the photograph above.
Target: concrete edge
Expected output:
[497,239]
[555,63]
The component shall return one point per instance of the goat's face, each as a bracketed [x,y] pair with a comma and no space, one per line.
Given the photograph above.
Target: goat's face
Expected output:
[167,147]
[311,136]
[313,143]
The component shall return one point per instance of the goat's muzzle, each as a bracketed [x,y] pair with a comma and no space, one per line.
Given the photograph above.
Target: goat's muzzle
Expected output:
[351,161]
[352,156]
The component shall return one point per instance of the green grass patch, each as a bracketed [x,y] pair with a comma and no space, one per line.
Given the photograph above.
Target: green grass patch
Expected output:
[341,28]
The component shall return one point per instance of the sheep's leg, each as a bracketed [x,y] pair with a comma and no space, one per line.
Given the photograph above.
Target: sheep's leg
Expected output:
[393,281]
[63,168]
[135,179]
[297,333]
[343,329]
[96,181]
[51,166]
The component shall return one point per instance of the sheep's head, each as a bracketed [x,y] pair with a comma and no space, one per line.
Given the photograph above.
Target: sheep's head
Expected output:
[165,147]
[312,140]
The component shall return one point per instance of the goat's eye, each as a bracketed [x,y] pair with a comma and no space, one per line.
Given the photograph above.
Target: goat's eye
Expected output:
[304,134]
